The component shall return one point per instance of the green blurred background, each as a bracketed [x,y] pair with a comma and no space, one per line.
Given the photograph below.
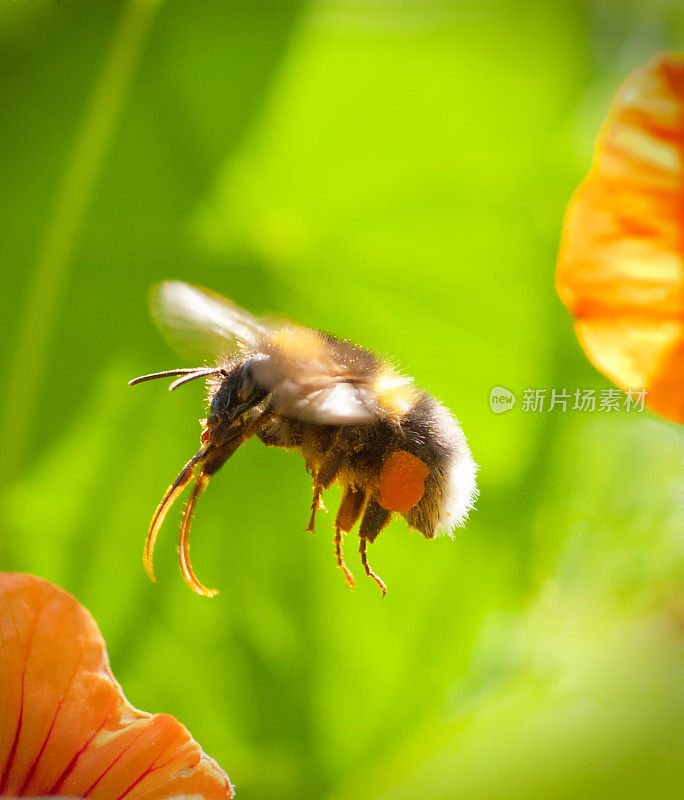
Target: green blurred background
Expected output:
[394,172]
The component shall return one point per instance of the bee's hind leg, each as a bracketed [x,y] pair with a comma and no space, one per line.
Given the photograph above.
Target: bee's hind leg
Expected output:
[375,518]
[340,559]
[363,543]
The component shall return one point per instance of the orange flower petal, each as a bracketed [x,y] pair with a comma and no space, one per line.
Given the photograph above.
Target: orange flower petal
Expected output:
[621,263]
[66,728]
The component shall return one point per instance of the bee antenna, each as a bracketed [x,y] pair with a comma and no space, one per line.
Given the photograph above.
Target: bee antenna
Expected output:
[199,373]
[187,374]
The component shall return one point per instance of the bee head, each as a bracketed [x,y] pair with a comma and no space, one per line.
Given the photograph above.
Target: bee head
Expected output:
[233,393]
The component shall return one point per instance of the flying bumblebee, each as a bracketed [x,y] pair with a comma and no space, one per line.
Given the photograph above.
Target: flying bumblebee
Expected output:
[355,419]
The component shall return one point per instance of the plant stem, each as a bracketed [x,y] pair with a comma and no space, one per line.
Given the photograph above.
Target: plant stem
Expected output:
[55,256]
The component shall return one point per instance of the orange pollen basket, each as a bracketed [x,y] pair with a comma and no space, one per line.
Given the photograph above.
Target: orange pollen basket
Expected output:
[402,481]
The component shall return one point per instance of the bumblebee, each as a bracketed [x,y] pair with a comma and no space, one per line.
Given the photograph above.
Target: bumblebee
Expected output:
[356,420]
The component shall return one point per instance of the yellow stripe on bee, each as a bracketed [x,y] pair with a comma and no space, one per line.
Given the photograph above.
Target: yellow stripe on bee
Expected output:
[396,393]
[298,343]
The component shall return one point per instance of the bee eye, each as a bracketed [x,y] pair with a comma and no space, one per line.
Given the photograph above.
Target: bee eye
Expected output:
[248,387]
[246,384]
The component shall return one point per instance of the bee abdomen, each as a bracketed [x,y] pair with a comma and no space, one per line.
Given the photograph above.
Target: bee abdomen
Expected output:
[432,435]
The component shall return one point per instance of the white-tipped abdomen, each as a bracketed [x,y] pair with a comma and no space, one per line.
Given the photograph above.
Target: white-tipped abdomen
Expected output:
[460,491]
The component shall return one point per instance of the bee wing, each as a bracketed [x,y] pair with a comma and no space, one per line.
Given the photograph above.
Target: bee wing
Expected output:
[315,378]
[198,323]
[340,403]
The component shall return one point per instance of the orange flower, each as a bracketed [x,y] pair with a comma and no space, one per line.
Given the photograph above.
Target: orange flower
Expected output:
[621,262]
[65,727]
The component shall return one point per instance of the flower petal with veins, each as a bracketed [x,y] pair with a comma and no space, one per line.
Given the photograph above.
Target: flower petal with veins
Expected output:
[65,726]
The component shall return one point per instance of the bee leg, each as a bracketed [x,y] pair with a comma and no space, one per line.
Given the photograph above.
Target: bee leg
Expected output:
[316,505]
[340,559]
[374,520]
[349,511]
[325,475]
[170,497]
[214,459]
[184,538]
[364,560]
